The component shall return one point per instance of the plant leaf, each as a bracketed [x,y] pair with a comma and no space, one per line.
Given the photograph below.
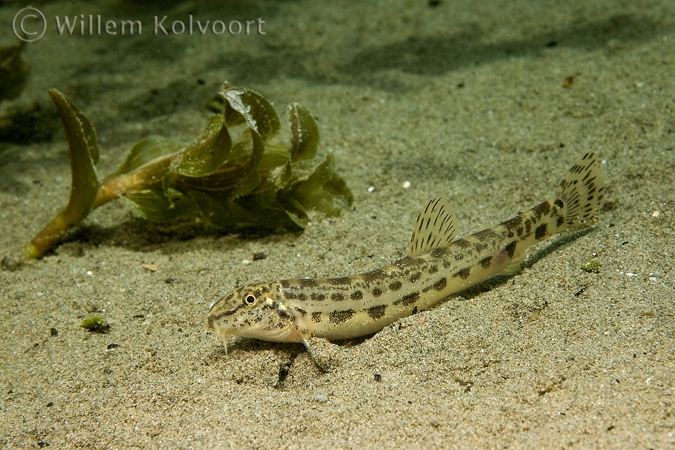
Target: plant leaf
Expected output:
[83,156]
[84,180]
[304,133]
[256,110]
[321,190]
[156,207]
[274,156]
[207,153]
[145,151]
[232,117]
[259,211]
[234,178]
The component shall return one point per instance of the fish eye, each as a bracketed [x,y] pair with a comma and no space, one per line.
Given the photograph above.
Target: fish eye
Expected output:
[249,299]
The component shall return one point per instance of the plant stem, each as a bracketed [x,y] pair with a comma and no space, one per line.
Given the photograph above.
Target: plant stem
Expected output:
[49,235]
[111,189]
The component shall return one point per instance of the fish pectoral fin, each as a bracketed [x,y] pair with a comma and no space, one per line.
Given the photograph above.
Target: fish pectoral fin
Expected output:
[515,266]
[320,351]
[435,227]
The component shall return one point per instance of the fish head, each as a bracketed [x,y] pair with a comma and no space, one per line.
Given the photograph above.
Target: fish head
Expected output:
[255,311]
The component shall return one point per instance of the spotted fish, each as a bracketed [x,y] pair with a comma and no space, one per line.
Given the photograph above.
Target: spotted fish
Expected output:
[437,265]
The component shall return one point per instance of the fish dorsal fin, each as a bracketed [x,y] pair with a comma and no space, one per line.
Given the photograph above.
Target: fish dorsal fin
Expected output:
[435,227]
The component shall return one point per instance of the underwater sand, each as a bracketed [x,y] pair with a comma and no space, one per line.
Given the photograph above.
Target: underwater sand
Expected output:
[462,100]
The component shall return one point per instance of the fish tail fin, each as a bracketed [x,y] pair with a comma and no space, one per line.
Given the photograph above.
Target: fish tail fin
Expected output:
[581,192]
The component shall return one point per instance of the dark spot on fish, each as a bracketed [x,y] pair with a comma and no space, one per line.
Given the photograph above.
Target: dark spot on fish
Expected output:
[404,262]
[513,224]
[395,286]
[316,316]
[540,231]
[542,210]
[357,295]
[480,247]
[433,269]
[485,235]
[511,249]
[486,262]
[559,203]
[520,231]
[374,275]
[307,282]
[462,243]
[438,252]
[560,222]
[415,276]
[341,316]
[377,292]
[285,283]
[302,312]
[414,311]
[528,225]
[440,284]
[337,296]
[463,274]
[375,312]
[409,299]
[317,296]
[341,280]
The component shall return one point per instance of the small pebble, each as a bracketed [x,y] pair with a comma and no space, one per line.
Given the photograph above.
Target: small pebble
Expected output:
[320,397]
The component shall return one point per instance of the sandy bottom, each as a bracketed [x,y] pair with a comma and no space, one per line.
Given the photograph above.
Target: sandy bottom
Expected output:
[488,105]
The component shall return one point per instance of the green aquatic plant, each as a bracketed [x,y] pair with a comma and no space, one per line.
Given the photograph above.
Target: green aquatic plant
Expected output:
[250,182]
[13,72]
[97,324]
[591,266]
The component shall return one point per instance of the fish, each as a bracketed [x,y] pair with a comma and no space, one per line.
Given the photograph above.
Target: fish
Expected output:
[437,265]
